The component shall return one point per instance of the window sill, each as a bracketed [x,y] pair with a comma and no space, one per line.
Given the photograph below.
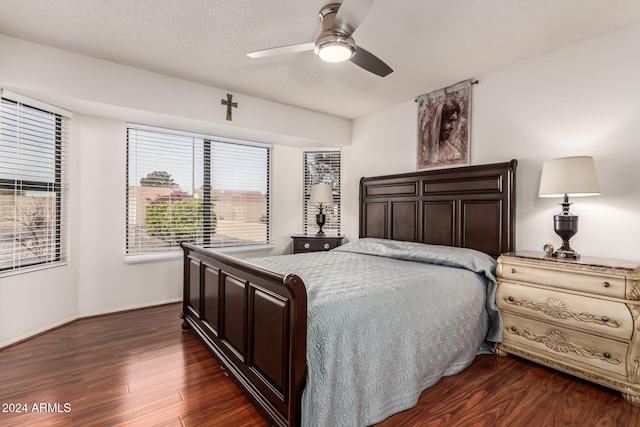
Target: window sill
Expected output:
[173,255]
[32,268]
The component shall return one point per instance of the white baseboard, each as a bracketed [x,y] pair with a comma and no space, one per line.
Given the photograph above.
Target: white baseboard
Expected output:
[128,308]
[38,331]
[80,317]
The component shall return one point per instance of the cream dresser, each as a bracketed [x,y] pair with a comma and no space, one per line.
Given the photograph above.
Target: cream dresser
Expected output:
[578,316]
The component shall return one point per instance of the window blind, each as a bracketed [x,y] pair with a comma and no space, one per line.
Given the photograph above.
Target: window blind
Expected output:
[33,187]
[196,188]
[322,167]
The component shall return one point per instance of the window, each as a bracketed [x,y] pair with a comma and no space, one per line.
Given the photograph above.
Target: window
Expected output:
[33,219]
[196,188]
[322,167]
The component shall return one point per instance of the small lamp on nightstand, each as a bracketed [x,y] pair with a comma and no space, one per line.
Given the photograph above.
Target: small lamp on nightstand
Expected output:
[321,194]
[564,177]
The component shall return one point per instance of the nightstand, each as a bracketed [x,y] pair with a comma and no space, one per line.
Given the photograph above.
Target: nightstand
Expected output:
[309,243]
[578,316]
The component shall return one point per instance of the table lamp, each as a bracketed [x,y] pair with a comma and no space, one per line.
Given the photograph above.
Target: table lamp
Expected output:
[321,194]
[564,177]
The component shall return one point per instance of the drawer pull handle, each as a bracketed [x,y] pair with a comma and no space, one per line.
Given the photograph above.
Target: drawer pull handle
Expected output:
[604,318]
[606,284]
[326,246]
[513,271]
[607,355]
[307,245]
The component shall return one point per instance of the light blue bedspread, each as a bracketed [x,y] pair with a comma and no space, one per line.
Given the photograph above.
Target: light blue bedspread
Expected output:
[386,320]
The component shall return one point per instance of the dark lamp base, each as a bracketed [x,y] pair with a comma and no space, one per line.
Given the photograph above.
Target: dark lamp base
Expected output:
[565,224]
[566,254]
[320,219]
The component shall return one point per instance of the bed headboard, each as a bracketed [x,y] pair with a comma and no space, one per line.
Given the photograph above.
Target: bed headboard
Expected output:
[471,206]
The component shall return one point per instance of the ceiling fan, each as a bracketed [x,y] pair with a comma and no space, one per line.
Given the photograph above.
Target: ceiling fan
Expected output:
[335,43]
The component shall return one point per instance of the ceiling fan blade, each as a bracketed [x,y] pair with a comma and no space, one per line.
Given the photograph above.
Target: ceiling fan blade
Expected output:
[367,60]
[282,50]
[350,15]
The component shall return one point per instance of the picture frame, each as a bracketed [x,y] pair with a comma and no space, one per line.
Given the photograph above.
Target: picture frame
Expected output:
[444,124]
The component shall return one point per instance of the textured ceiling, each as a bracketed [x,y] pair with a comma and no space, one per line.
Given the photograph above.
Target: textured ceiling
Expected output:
[430,44]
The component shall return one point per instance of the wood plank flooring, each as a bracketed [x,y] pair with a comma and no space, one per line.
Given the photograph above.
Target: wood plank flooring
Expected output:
[139,369]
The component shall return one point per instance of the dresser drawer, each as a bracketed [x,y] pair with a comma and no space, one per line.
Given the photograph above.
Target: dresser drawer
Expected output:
[593,315]
[590,282]
[557,342]
[313,245]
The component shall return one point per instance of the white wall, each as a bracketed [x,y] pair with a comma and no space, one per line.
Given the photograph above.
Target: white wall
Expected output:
[106,283]
[581,100]
[104,96]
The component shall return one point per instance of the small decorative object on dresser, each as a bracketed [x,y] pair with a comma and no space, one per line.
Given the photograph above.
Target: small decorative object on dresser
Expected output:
[307,243]
[580,317]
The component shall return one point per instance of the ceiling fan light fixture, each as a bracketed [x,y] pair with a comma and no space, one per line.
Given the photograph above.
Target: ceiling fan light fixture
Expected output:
[335,44]
[335,52]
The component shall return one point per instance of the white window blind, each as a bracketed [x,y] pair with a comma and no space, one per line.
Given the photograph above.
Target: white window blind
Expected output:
[195,188]
[33,188]
[322,167]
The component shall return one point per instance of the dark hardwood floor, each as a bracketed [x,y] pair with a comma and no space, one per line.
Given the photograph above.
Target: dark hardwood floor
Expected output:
[139,368]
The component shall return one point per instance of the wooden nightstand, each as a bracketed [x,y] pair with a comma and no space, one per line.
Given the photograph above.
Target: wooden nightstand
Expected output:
[577,316]
[310,243]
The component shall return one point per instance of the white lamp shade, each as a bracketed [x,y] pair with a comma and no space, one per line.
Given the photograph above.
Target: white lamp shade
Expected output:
[321,194]
[573,176]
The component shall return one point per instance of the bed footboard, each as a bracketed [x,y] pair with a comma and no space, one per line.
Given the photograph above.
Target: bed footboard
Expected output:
[255,323]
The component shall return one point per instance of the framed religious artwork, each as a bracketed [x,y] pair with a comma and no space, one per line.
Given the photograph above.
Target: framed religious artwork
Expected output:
[444,122]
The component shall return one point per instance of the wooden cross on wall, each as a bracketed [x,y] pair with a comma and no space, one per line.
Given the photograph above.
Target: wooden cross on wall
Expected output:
[229,104]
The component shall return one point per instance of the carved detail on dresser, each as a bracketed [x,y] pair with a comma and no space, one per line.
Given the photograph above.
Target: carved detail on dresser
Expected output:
[556,341]
[501,352]
[633,290]
[634,309]
[634,400]
[558,310]
[634,371]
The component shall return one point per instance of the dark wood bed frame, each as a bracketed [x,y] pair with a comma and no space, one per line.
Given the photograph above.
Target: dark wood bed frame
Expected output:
[254,321]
